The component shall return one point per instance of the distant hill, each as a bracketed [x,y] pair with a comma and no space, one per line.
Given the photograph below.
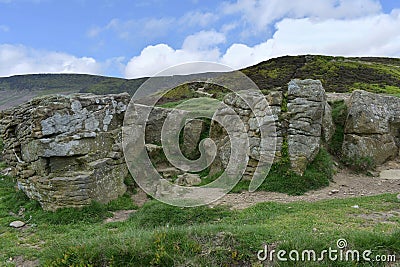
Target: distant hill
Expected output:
[17,89]
[337,74]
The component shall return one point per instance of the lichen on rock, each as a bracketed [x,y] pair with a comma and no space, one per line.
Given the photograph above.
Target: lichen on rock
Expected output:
[372,130]
[59,148]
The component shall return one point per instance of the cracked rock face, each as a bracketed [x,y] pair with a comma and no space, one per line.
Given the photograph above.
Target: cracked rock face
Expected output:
[305,122]
[192,135]
[65,150]
[372,129]
[306,108]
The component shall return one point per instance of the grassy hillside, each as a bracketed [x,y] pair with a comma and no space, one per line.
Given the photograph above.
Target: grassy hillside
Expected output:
[337,74]
[15,90]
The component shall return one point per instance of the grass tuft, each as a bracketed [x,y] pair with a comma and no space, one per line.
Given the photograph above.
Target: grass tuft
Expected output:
[281,179]
[339,116]
[156,214]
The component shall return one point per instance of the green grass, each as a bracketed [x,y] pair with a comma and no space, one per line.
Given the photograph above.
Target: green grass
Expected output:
[155,214]
[339,116]
[204,106]
[162,235]
[376,88]
[15,200]
[281,179]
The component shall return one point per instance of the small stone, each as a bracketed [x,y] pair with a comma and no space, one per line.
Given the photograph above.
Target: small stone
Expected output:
[398,196]
[362,195]
[115,155]
[17,224]
[188,179]
[314,230]
[355,206]
[336,164]
[334,191]
[117,147]
[6,171]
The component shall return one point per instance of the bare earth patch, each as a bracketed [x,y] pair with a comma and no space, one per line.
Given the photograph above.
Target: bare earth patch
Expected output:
[119,216]
[20,261]
[140,197]
[345,184]
[122,215]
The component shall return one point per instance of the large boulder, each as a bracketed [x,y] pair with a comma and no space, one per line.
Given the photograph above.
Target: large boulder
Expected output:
[372,129]
[66,150]
[306,108]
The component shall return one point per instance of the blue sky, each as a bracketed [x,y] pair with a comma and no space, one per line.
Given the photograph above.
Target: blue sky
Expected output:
[140,38]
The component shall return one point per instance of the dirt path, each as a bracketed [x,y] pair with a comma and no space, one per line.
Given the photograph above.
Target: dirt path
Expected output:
[345,184]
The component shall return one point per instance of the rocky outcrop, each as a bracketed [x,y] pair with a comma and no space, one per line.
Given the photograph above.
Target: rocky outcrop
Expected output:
[66,150]
[301,116]
[310,122]
[372,130]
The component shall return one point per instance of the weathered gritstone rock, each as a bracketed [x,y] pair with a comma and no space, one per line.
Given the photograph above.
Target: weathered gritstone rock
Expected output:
[372,128]
[252,120]
[66,150]
[301,116]
[191,135]
[306,108]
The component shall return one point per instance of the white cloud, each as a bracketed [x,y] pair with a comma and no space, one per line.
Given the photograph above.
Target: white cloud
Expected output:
[196,18]
[94,32]
[201,46]
[374,35]
[203,40]
[370,36]
[131,29]
[257,15]
[241,55]
[19,59]
[154,27]
[154,59]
